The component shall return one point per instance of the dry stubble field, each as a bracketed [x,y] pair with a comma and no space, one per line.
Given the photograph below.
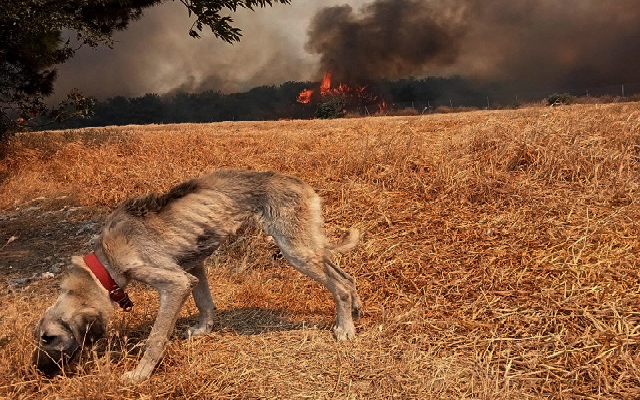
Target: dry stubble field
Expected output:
[499,258]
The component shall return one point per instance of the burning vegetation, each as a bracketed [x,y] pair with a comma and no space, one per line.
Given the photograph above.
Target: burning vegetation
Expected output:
[351,95]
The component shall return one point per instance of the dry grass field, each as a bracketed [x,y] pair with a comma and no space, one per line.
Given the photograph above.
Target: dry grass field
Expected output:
[499,258]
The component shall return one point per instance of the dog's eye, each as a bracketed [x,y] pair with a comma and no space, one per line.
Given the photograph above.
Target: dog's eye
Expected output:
[47,338]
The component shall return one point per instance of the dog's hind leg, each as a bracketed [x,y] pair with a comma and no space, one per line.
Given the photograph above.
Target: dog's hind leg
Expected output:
[204,301]
[350,283]
[345,245]
[173,286]
[315,264]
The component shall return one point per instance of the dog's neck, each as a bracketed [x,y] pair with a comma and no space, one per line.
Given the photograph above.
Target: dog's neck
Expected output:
[116,293]
[82,285]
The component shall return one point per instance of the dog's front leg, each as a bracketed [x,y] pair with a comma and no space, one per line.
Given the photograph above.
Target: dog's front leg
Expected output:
[174,287]
[204,302]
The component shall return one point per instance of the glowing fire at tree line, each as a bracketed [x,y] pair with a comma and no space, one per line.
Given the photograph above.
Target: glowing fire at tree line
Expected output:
[354,95]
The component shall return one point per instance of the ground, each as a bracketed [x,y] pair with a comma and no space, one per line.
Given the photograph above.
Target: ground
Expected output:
[46,232]
[499,257]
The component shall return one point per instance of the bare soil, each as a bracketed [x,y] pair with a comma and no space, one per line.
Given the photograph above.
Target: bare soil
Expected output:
[46,232]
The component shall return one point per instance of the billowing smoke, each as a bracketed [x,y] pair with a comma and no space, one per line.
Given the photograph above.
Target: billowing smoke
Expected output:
[534,44]
[387,38]
[156,54]
[527,43]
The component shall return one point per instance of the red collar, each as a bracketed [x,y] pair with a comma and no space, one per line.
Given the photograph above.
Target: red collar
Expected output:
[115,292]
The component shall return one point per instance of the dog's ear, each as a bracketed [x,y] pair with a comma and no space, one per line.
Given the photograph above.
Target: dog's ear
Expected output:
[76,267]
[88,327]
[76,263]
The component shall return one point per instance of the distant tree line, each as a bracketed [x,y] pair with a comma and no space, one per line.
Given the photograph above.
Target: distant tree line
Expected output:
[257,104]
[37,37]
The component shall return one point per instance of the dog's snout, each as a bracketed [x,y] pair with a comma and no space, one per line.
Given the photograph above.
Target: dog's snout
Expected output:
[47,339]
[47,364]
[53,350]
[52,361]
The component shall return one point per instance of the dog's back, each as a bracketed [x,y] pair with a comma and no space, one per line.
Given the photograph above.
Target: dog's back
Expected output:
[191,220]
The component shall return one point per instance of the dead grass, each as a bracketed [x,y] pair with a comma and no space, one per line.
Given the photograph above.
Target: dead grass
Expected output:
[499,260]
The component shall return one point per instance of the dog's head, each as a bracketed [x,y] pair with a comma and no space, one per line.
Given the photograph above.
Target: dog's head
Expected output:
[76,320]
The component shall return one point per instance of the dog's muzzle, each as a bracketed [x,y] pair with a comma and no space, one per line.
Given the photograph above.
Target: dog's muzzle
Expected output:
[51,362]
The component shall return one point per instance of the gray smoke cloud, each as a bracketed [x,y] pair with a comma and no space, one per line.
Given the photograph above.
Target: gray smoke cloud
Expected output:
[528,43]
[156,54]
[386,39]
[525,43]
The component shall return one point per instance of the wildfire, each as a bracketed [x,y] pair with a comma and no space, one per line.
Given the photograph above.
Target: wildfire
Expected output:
[325,87]
[353,94]
[305,96]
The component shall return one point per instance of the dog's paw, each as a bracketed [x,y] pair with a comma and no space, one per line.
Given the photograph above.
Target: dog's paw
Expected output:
[342,333]
[356,312]
[134,377]
[196,331]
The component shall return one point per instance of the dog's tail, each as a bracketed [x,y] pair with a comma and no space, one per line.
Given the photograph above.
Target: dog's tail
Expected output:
[348,243]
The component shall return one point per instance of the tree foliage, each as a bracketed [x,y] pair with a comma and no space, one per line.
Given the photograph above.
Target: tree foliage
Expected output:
[332,108]
[560,98]
[38,35]
[270,103]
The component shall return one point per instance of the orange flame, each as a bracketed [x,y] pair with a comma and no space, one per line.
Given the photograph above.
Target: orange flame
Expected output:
[360,93]
[325,87]
[305,96]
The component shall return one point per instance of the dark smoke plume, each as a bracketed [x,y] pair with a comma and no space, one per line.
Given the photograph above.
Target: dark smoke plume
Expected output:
[386,39]
[527,43]
[533,44]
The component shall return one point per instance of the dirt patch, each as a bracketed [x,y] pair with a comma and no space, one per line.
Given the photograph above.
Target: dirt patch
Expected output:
[40,235]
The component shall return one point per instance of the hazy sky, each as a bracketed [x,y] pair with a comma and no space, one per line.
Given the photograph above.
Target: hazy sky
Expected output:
[157,55]
[526,43]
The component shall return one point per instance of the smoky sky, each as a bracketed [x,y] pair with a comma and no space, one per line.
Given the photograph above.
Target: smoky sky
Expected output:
[524,43]
[385,39]
[156,54]
[529,43]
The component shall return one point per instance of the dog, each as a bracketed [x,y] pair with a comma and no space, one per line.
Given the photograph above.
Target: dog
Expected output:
[164,239]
